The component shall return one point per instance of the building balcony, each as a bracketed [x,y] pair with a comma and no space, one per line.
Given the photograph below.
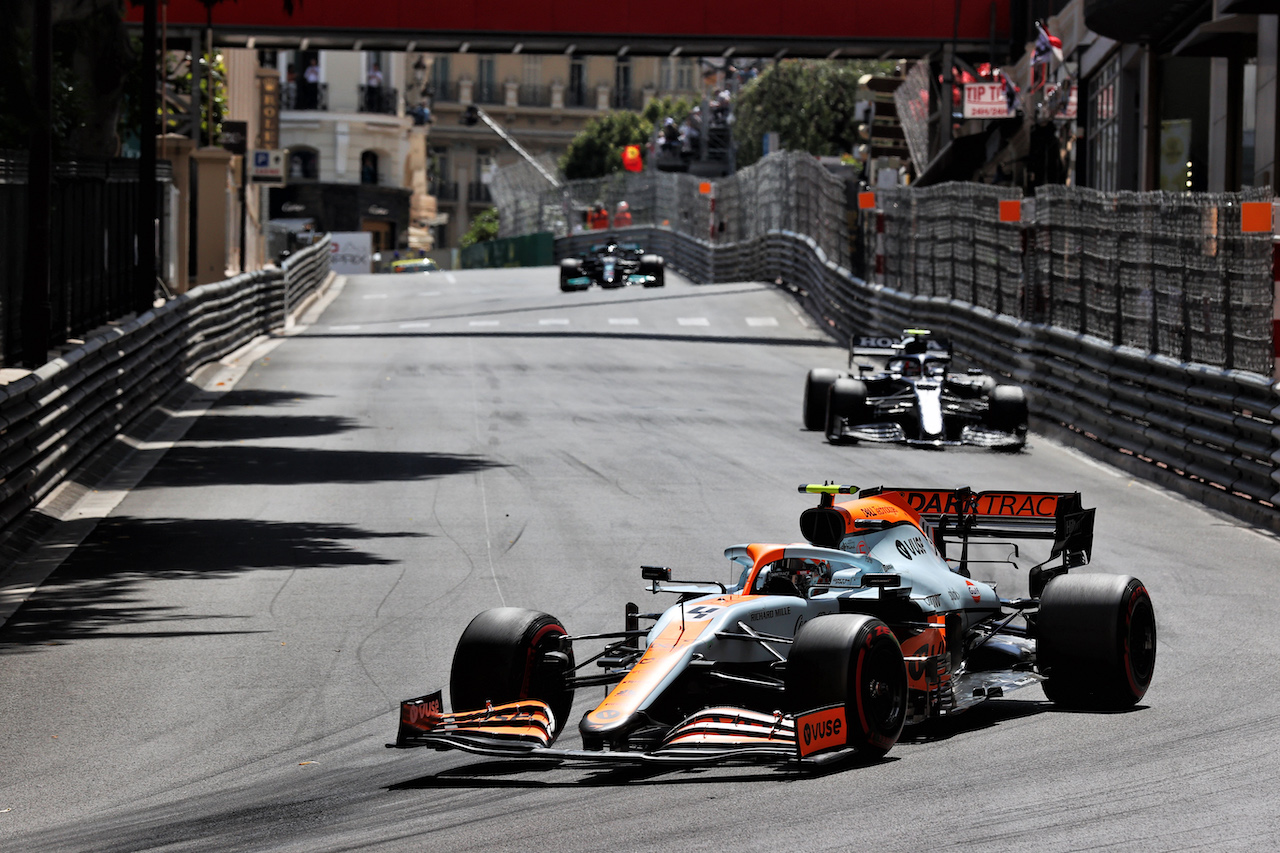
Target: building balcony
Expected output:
[304,96]
[534,95]
[486,93]
[377,99]
[478,193]
[443,190]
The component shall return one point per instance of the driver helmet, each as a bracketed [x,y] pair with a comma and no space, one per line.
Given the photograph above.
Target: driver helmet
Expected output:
[799,573]
[910,367]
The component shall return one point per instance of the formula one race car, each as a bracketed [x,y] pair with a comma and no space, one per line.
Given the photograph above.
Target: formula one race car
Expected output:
[612,264]
[901,390]
[817,650]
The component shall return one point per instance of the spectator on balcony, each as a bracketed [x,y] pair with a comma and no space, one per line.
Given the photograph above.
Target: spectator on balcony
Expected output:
[309,95]
[691,133]
[421,113]
[670,136]
[373,90]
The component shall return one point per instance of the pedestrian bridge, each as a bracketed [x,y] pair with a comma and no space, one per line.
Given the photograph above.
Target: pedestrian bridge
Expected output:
[754,28]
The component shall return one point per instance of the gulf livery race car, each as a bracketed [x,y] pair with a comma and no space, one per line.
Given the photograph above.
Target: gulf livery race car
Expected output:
[818,650]
[612,264]
[902,390]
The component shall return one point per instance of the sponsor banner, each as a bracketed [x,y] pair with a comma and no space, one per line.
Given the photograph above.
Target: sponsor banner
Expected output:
[351,252]
[986,100]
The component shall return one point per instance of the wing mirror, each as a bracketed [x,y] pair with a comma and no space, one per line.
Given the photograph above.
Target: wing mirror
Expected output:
[655,573]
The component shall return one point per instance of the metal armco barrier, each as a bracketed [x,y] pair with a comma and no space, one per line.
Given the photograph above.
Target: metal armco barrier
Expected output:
[53,419]
[1213,434]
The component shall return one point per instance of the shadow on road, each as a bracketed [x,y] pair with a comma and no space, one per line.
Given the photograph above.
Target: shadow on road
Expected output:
[240,465]
[95,592]
[215,426]
[498,774]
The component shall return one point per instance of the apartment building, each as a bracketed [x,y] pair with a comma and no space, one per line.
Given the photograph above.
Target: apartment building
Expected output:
[543,101]
[357,153]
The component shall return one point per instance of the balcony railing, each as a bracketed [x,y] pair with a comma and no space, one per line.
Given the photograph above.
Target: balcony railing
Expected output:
[376,99]
[305,96]
[532,95]
[443,190]
[478,193]
[626,99]
[487,93]
[444,90]
[577,98]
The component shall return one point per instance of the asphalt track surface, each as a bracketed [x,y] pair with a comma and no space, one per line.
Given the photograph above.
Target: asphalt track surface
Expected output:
[217,666]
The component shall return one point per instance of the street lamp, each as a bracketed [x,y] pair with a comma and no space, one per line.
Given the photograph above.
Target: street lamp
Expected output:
[419,73]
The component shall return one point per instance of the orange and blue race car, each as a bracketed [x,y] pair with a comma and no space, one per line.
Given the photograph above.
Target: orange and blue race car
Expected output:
[818,650]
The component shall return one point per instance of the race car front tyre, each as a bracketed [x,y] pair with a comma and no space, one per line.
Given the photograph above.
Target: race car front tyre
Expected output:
[817,385]
[846,402]
[507,654]
[570,268]
[854,660]
[653,265]
[1007,410]
[1095,641]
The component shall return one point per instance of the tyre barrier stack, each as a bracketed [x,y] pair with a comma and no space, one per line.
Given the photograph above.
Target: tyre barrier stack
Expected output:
[56,417]
[1208,433]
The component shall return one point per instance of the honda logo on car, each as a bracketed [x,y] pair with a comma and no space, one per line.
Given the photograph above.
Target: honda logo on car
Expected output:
[819,730]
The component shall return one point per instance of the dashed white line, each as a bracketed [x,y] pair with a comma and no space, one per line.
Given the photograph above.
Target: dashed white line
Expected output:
[375,296]
[429,293]
[344,328]
[623,321]
[553,321]
[449,278]
[484,322]
[415,325]
[693,321]
[762,321]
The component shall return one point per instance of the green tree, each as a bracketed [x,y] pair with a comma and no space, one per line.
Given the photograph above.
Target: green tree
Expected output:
[597,149]
[810,104]
[484,227]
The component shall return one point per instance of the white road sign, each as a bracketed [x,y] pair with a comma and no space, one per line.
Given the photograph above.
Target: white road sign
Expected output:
[266,166]
[985,100]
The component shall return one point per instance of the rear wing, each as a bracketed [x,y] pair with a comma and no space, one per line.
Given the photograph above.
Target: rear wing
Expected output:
[884,347]
[958,515]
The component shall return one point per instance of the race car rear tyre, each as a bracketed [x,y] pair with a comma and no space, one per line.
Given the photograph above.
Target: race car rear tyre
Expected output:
[817,385]
[854,660]
[1095,641]
[507,654]
[1007,411]
[847,401]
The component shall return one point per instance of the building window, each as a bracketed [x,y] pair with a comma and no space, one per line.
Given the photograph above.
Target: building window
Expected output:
[532,70]
[684,75]
[486,81]
[576,95]
[622,83]
[304,164]
[441,85]
[369,167]
[1104,126]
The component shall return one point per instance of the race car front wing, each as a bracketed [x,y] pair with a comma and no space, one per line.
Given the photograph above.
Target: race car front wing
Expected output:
[526,729]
